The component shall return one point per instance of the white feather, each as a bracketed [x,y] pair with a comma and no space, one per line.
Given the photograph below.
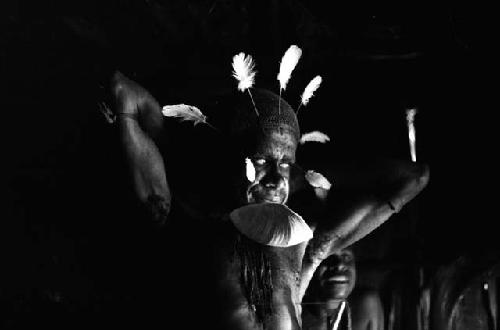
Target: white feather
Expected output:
[317,180]
[185,112]
[310,89]
[250,170]
[315,136]
[410,118]
[288,63]
[243,71]
[271,224]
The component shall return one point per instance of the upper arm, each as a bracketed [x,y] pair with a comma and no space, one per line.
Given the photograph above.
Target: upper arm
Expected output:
[138,129]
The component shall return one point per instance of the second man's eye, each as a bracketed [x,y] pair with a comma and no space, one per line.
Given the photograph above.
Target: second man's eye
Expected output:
[346,258]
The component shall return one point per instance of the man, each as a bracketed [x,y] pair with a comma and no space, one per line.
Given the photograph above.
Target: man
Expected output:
[250,284]
[327,305]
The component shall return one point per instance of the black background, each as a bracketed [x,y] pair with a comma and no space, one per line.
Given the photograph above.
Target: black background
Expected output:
[70,234]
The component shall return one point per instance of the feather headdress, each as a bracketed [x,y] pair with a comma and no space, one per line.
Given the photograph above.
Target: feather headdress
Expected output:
[315,136]
[244,72]
[287,64]
[185,113]
[317,180]
[309,91]
[271,224]
[320,184]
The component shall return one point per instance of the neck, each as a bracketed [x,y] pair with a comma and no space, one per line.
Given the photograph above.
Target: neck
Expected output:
[332,305]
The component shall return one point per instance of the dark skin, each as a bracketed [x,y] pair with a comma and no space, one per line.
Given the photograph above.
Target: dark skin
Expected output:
[336,277]
[273,158]
[367,310]
[333,283]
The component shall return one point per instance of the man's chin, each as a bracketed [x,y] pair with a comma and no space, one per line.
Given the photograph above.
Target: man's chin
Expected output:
[269,200]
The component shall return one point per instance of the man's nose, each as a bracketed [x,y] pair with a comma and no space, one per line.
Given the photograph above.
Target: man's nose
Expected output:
[273,178]
[336,263]
[338,268]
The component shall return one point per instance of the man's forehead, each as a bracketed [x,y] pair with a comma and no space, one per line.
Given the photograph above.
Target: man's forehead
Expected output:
[276,141]
[333,258]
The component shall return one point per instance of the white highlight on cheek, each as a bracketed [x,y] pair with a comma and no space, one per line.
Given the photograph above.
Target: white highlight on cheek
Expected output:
[250,170]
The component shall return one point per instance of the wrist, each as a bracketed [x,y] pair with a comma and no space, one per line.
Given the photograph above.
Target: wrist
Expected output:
[125,115]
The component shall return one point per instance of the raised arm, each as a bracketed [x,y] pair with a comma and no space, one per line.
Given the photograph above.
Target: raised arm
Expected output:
[361,206]
[139,120]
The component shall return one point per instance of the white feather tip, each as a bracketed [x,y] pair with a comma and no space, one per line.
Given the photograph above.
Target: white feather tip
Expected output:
[315,136]
[185,112]
[310,89]
[244,71]
[317,180]
[287,64]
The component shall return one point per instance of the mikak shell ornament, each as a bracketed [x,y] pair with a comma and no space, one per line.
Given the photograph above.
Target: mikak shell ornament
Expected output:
[271,224]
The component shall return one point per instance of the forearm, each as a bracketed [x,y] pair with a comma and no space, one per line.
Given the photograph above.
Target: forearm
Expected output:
[400,182]
[354,213]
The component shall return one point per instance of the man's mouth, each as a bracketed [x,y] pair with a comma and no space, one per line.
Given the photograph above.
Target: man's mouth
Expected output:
[276,199]
[338,279]
[271,199]
[259,196]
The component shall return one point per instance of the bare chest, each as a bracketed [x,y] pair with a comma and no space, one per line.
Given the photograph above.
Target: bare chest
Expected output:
[285,269]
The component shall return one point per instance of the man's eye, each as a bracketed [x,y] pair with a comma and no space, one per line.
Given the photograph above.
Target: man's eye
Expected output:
[260,161]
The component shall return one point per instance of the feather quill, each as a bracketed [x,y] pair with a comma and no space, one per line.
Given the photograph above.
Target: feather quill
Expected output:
[288,63]
[244,72]
[317,180]
[315,136]
[185,113]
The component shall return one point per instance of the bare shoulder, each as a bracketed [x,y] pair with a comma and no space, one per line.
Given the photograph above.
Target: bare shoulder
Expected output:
[367,310]
[366,299]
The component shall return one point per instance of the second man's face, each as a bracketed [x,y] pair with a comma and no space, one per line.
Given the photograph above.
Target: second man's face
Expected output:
[337,275]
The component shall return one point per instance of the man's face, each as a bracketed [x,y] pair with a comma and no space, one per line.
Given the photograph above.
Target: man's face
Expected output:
[272,159]
[337,275]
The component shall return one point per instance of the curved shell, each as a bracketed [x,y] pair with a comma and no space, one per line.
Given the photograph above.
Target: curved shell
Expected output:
[271,224]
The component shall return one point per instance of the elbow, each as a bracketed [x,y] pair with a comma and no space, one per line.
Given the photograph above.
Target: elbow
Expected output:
[158,208]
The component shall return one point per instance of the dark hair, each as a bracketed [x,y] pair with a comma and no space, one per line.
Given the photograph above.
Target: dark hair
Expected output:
[255,276]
